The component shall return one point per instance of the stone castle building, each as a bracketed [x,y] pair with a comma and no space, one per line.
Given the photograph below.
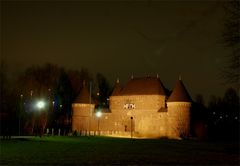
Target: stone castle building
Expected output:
[140,109]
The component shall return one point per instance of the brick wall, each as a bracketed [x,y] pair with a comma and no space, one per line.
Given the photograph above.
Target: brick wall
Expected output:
[149,120]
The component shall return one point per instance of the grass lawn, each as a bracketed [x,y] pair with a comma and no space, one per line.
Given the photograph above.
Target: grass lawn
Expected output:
[116,151]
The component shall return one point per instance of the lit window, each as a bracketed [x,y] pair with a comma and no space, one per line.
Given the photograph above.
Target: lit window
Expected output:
[129,106]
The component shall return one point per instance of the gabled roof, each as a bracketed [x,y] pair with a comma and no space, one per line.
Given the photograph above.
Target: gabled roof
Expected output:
[144,86]
[84,96]
[117,89]
[179,93]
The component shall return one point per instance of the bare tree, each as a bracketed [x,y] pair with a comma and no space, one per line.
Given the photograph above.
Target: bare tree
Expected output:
[231,37]
[36,82]
[8,114]
[104,90]
[76,78]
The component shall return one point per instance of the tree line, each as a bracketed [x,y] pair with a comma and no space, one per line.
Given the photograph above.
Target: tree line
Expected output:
[56,87]
[219,119]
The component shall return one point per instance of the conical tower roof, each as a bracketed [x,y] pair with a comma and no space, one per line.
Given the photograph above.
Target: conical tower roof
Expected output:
[179,93]
[117,89]
[84,96]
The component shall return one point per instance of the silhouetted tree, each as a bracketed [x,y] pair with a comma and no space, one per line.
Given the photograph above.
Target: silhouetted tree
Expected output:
[63,100]
[104,90]
[76,78]
[48,82]
[231,37]
[199,118]
[231,113]
[9,114]
[57,87]
[5,115]
[224,116]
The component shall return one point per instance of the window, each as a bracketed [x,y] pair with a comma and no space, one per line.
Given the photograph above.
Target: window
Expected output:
[129,106]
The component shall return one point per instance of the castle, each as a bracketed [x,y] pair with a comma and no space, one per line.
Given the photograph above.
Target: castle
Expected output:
[140,109]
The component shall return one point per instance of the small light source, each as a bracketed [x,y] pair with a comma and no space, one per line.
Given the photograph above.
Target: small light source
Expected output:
[40,104]
[99,114]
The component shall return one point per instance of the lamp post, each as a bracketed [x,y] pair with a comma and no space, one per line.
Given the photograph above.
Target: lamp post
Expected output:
[90,108]
[40,105]
[19,116]
[131,127]
[98,114]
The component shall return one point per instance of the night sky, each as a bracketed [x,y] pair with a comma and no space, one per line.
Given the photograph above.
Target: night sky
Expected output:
[119,39]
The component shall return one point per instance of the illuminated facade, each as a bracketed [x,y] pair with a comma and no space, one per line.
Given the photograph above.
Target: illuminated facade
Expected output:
[141,109]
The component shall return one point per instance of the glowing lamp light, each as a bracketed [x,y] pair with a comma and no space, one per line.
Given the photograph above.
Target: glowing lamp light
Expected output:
[99,114]
[40,104]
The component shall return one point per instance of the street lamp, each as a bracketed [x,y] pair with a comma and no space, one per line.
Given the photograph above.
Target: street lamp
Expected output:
[19,115]
[40,104]
[98,115]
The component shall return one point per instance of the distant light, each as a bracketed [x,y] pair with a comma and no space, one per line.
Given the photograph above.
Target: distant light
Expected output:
[21,95]
[60,105]
[220,117]
[98,94]
[40,104]
[236,117]
[99,114]
[53,102]
[214,113]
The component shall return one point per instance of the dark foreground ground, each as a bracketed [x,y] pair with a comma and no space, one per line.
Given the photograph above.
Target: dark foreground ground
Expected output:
[115,151]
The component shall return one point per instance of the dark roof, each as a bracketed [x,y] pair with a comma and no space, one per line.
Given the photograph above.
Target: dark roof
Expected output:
[117,89]
[144,86]
[179,93]
[83,96]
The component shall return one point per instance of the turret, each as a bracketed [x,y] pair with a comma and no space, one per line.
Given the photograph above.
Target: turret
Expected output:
[82,110]
[179,104]
[115,94]
[117,89]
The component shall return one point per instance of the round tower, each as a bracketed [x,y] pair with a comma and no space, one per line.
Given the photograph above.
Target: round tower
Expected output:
[82,111]
[179,104]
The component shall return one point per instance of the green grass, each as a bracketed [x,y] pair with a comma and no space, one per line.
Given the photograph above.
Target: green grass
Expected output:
[120,151]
